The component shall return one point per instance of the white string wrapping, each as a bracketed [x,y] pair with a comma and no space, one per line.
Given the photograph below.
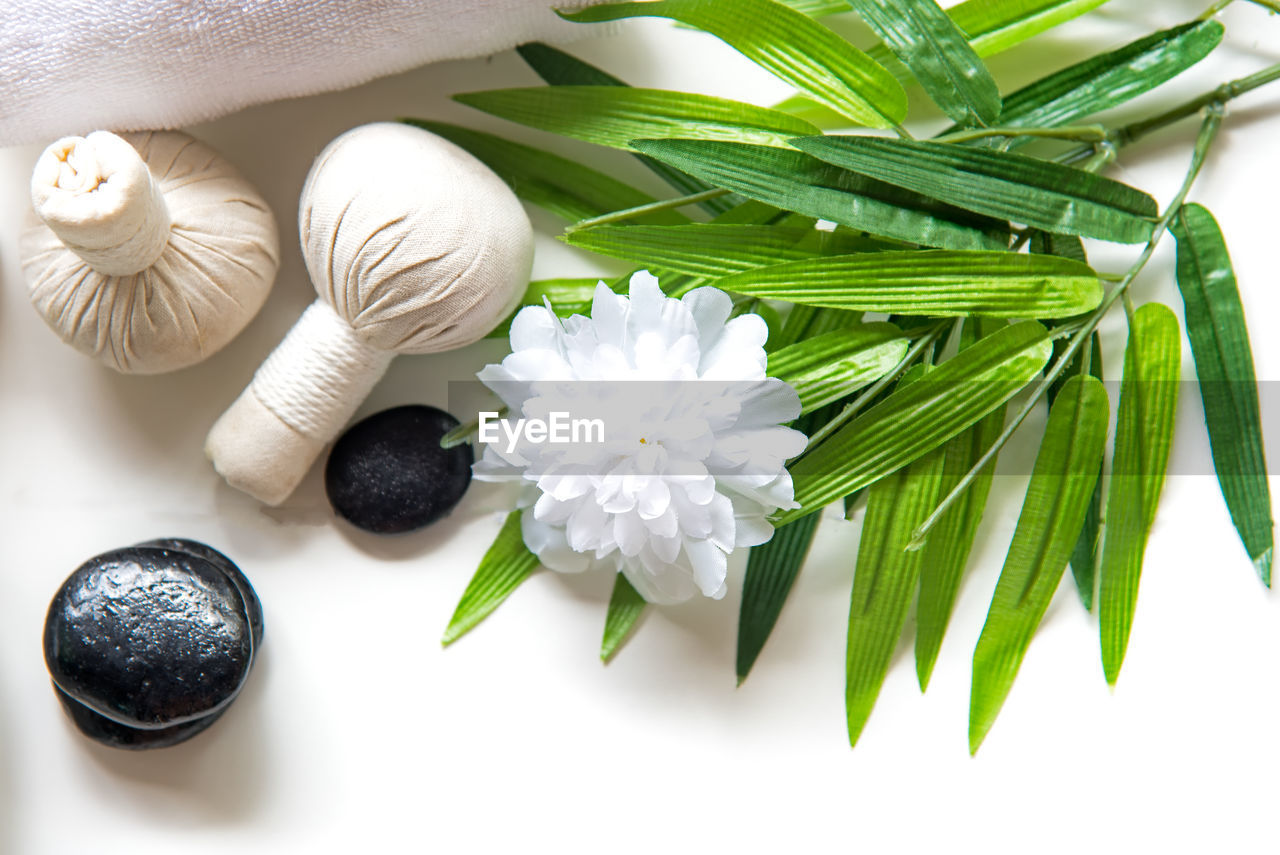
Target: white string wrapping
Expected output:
[413,246]
[317,377]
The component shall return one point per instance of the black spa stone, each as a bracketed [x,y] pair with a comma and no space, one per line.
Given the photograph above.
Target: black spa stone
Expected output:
[388,473]
[115,735]
[148,645]
[202,550]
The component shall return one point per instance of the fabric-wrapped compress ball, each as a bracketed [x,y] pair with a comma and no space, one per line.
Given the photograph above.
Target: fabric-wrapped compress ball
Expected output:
[149,251]
[413,246]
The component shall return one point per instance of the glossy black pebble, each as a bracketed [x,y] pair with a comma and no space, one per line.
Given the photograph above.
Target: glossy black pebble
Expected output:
[148,645]
[388,473]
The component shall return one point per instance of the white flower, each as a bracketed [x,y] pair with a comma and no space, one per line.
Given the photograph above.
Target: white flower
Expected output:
[687,472]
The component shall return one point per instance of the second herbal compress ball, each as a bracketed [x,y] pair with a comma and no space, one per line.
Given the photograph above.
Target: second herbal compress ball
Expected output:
[413,246]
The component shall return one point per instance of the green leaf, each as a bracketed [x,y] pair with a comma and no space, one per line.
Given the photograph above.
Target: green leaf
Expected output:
[564,187]
[1065,474]
[1063,246]
[787,43]
[1144,433]
[1228,386]
[828,367]
[772,568]
[625,608]
[919,417]
[567,297]
[504,567]
[561,69]
[798,182]
[1084,558]
[993,26]
[1045,195]
[933,47]
[946,552]
[714,250]
[614,116]
[818,8]
[997,25]
[1110,79]
[804,322]
[941,283]
[885,578]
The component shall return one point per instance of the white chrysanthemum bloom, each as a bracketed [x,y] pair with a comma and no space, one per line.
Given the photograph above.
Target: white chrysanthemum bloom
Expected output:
[692,461]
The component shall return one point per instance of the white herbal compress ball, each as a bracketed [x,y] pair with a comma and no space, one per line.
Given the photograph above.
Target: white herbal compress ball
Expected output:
[413,246]
[149,251]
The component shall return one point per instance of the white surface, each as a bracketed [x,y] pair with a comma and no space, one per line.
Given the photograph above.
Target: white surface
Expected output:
[357,730]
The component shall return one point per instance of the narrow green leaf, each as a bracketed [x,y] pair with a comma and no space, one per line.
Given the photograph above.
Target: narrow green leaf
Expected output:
[771,571]
[1062,481]
[1084,558]
[993,26]
[1144,433]
[997,25]
[614,116]
[818,8]
[946,552]
[567,297]
[930,44]
[1063,246]
[1228,386]
[787,43]
[804,322]
[1045,195]
[714,250]
[504,567]
[828,367]
[885,578]
[941,283]
[919,417]
[558,68]
[562,186]
[625,608]
[1110,79]
[798,182]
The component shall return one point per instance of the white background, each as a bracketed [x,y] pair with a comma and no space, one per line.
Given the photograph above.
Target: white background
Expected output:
[357,730]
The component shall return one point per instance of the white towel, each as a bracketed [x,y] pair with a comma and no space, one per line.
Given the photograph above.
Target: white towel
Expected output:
[73,66]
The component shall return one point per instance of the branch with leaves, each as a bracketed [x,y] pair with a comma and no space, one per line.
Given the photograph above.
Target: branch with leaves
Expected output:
[971,245]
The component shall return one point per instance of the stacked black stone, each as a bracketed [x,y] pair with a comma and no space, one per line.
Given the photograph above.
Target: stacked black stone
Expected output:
[148,645]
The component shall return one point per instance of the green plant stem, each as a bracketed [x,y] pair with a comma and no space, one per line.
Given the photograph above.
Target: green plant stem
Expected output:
[1208,131]
[461,435]
[1080,133]
[855,406]
[1269,5]
[1135,131]
[652,207]
[1214,9]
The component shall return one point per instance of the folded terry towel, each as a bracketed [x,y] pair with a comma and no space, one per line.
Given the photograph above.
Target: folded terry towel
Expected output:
[79,65]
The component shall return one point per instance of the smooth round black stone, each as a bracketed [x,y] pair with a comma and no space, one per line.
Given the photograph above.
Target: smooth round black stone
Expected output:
[149,638]
[388,473]
[116,735]
[203,550]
